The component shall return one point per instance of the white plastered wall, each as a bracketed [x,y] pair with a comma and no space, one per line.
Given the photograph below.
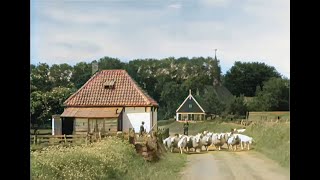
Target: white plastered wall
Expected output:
[133,117]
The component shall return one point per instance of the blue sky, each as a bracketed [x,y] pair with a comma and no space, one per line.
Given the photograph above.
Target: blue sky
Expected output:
[72,31]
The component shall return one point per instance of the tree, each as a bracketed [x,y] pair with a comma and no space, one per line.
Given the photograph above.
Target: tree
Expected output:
[238,107]
[110,63]
[211,103]
[60,75]
[243,78]
[46,104]
[40,78]
[274,96]
[81,74]
[171,98]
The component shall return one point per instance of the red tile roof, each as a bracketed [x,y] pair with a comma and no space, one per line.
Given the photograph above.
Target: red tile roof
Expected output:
[126,91]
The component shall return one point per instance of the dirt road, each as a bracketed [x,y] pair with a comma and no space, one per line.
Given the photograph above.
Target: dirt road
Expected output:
[226,165]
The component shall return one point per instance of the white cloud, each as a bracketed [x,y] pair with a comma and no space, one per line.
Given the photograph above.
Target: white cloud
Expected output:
[215,3]
[151,33]
[175,6]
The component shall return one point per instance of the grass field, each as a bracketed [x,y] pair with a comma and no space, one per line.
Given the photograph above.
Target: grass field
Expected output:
[271,139]
[42,131]
[270,115]
[111,158]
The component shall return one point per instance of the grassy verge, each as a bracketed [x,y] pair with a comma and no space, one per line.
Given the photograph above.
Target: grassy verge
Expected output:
[271,139]
[165,122]
[42,131]
[111,158]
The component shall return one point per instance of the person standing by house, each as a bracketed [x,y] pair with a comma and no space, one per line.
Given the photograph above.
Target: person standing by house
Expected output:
[185,127]
[142,130]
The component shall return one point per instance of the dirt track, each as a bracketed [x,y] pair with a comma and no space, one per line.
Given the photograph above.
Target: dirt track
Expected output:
[226,165]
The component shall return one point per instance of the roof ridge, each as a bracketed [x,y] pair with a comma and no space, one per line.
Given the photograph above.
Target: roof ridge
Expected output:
[135,84]
[92,77]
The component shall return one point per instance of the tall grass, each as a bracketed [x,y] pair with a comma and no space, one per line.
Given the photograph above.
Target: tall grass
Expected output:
[111,158]
[273,140]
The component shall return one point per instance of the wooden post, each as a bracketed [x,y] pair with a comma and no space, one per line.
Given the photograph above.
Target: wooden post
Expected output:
[86,139]
[99,135]
[65,138]
[34,139]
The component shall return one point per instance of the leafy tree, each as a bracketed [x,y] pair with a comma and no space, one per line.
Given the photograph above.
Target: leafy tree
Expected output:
[238,107]
[110,63]
[60,75]
[81,74]
[40,78]
[274,96]
[243,77]
[211,103]
[171,98]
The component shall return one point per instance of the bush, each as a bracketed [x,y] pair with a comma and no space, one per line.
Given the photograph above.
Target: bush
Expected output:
[111,158]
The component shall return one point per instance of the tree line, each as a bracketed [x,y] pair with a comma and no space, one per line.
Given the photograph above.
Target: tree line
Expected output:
[168,81]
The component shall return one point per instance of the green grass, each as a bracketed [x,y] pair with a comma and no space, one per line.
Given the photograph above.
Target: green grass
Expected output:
[111,158]
[194,128]
[271,139]
[42,131]
[268,115]
[165,122]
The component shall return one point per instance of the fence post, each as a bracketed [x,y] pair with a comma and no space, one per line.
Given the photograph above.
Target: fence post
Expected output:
[65,138]
[34,139]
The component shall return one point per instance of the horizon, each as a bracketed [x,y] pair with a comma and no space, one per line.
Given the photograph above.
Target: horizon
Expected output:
[78,31]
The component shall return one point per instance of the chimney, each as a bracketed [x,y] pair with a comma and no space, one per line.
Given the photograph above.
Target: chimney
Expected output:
[94,67]
[189,91]
[198,92]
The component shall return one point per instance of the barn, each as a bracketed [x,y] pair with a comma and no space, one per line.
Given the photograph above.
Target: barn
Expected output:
[109,101]
[190,110]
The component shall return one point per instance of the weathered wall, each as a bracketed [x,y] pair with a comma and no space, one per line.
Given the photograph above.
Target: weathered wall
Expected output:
[133,117]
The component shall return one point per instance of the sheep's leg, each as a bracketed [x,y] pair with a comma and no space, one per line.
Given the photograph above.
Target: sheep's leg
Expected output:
[248,147]
[180,150]
[241,143]
[219,148]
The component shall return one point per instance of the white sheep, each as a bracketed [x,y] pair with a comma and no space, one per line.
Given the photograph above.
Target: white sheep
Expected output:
[246,140]
[233,141]
[182,143]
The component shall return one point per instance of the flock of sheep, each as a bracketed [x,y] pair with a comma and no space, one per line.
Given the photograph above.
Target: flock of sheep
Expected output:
[206,139]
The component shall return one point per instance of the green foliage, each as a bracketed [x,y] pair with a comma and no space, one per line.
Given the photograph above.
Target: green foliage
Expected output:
[273,140]
[60,75]
[111,158]
[238,107]
[110,63]
[273,97]
[46,104]
[81,74]
[40,78]
[243,77]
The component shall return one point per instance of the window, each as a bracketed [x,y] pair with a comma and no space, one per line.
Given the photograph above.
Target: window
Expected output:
[109,84]
[190,106]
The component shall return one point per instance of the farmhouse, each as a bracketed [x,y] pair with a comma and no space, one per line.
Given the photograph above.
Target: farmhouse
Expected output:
[109,101]
[190,109]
